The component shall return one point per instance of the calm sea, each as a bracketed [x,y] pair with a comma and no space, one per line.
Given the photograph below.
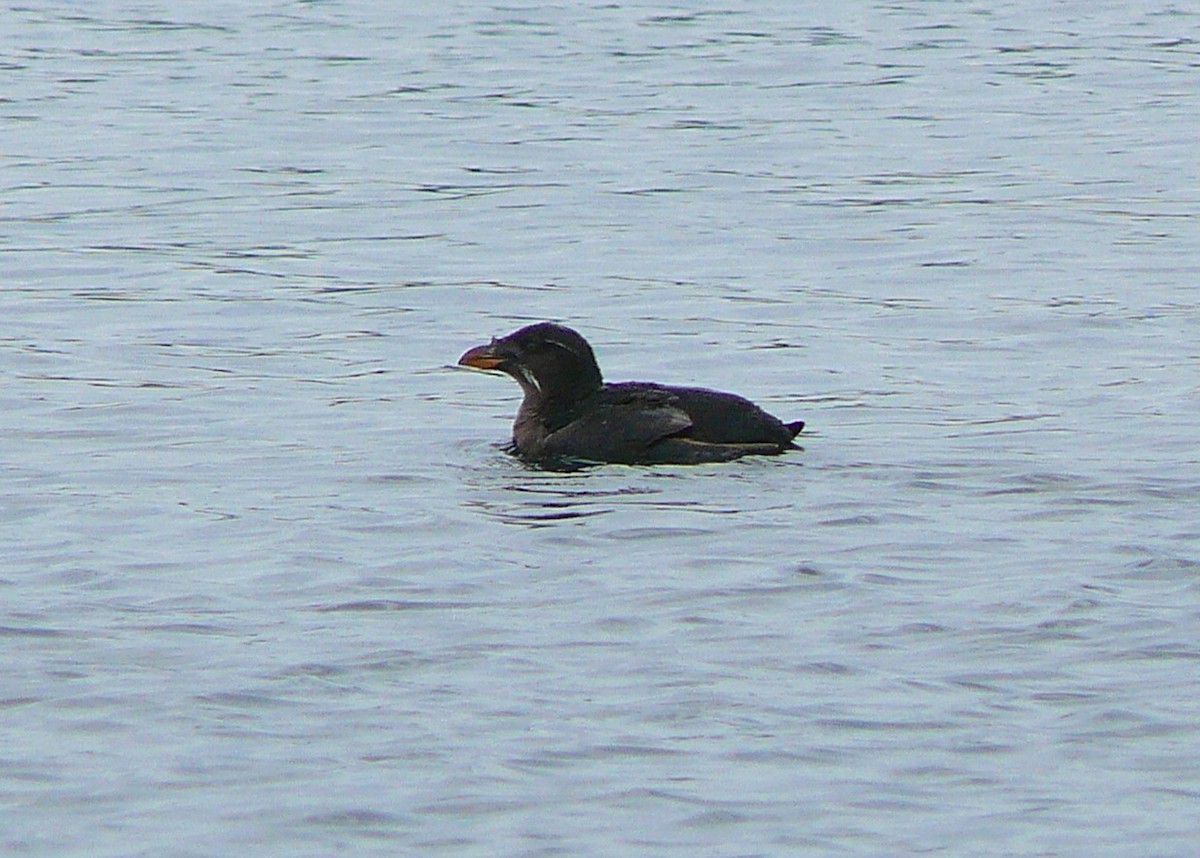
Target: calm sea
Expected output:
[270,586]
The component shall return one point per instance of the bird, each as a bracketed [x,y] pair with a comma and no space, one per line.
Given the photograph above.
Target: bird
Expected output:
[570,417]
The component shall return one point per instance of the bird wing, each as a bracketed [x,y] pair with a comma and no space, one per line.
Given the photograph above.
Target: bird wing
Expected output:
[618,424]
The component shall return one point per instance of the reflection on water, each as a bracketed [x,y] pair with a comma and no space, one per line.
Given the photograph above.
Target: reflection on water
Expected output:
[545,505]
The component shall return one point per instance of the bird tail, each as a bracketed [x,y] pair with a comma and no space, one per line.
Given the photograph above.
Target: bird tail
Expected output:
[795,427]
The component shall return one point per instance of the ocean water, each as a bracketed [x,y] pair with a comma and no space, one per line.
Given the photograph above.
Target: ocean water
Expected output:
[269,584]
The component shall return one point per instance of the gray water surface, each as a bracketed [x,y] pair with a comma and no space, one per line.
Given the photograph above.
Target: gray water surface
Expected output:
[270,585]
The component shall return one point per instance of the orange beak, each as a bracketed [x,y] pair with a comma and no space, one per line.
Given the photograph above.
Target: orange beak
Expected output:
[481,357]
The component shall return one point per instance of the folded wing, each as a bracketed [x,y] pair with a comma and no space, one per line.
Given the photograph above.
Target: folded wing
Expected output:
[619,424]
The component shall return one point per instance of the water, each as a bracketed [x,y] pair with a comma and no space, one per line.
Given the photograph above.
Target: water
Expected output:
[271,587]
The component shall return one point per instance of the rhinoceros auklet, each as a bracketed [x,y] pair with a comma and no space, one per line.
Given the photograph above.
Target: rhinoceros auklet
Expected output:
[570,416]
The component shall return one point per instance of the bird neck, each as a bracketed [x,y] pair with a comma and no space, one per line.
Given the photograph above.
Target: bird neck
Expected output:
[555,407]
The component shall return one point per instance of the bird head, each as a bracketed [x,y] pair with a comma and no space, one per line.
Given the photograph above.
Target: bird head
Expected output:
[551,362]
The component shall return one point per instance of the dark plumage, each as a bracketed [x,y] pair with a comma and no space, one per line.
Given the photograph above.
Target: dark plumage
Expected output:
[570,416]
